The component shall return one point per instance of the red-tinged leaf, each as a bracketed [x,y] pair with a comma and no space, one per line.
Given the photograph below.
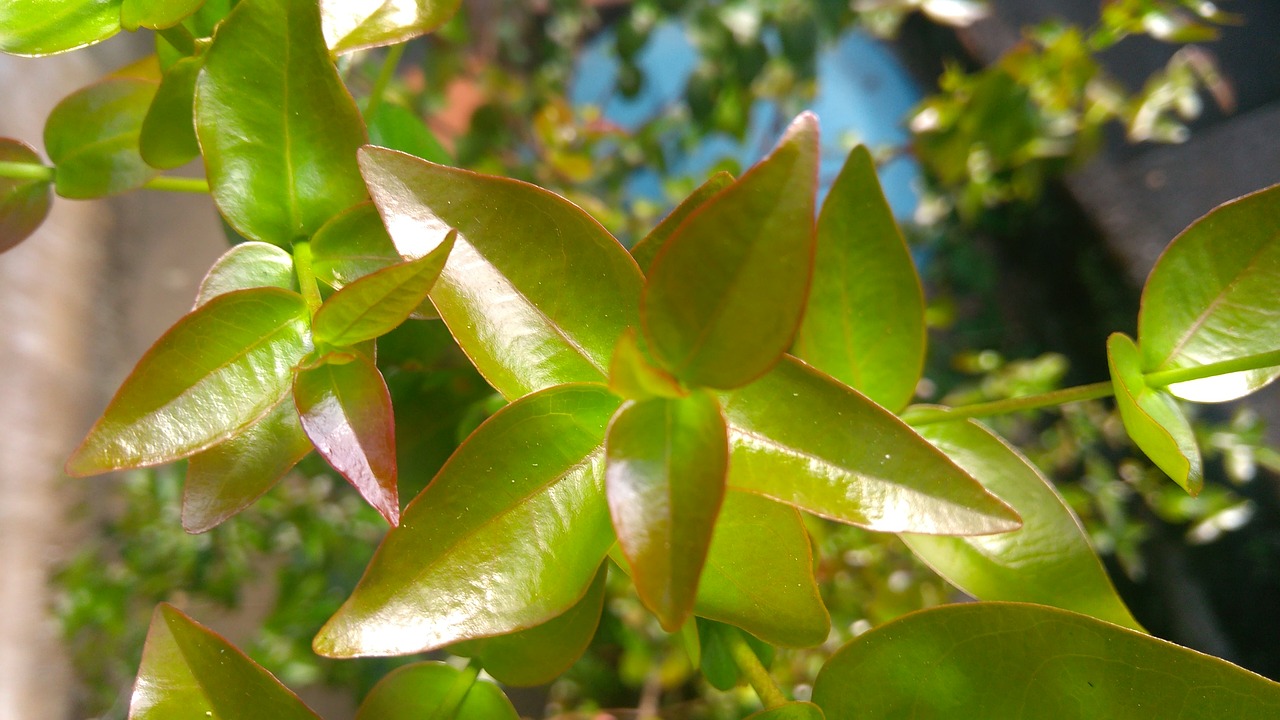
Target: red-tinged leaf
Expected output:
[346,411]
[220,368]
[358,24]
[354,244]
[376,304]
[231,475]
[245,266]
[24,204]
[92,138]
[664,476]
[725,294]
[864,323]
[168,135]
[647,249]
[189,671]
[435,691]
[279,129]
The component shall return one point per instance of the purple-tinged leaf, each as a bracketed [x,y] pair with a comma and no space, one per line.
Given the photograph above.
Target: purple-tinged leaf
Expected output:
[24,203]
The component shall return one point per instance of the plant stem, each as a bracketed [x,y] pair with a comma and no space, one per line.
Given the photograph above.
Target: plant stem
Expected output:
[180,38]
[749,665]
[170,183]
[928,416]
[306,276]
[385,74]
[448,706]
[26,171]
[1199,372]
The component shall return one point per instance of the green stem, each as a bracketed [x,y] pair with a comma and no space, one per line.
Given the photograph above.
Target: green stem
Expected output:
[448,706]
[180,38]
[306,276]
[170,183]
[388,71]
[928,416]
[749,665]
[26,171]
[1199,372]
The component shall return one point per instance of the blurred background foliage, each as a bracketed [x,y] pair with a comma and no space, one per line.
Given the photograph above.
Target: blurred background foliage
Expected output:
[504,88]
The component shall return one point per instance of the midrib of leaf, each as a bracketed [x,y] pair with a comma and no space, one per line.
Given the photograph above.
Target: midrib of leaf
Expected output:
[290,187]
[120,140]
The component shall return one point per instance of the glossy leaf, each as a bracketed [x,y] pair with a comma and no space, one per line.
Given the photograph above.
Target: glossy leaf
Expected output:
[664,477]
[1006,660]
[418,692]
[345,409]
[633,376]
[168,138]
[507,536]
[542,653]
[245,266]
[231,475]
[1152,417]
[376,304]
[358,24]
[800,437]
[717,663]
[725,293]
[864,323]
[399,128]
[536,292]
[1048,561]
[220,368]
[92,138]
[190,672]
[279,130]
[647,249]
[155,14]
[790,711]
[24,204]
[45,27]
[759,574]
[1212,297]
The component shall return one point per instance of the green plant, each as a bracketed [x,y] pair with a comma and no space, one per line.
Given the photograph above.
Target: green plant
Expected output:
[657,424]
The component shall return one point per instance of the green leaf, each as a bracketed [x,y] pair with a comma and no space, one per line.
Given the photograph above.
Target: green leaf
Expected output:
[231,475]
[1152,417]
[217,370]
[92,138]
[542,653]
[189,671]
[418,692]
[725,294]
[759,574]
[279,130]
[647,249]
[536,292]
[45,27]
[633,376]
[24,204]
[168,138]
[717,665]
[376,304]
[506,537]
[800,437]
[1212,297]
[790,711]
[1012,661]
[345,409]
[245,266]
[155,14]
[664,476]
[358,24]
[1048,561]
[864,324]
[399,128]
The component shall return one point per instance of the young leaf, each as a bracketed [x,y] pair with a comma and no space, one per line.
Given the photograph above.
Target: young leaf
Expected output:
[376,304]
[725,294]
[647,249]
[354,244]
[245,266]
[1048,561]
[399,128]
[717,664]
[155,14]
[1007,660]
[418,691]
[800,437]
[519,508]
[633,376]
[790,711]
[759,574]
[217,370]
[1212,297]
[1152,417]
[279,130]
[346,411]
[24,204]
[358,24]
[231,475]
[189,671]
[542,653]
[536,292]
[665,463]
[92,138]
[45,27]
[864,324]
[168,138]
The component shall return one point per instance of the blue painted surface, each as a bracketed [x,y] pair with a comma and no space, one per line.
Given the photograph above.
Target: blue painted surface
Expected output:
[863,95]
